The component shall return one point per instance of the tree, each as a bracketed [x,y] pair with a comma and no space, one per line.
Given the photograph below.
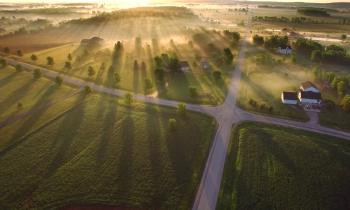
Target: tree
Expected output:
[7,50]
[316,55]
[334,83]
[87,89]
[258,40]
[19,106]
[19,53]
[50,61]
[174,64]
[117,77]
[181,109]
[217,75]
[172,124]
[341,88]
[148,84]
[345,103]
[68,65]
[59,80]
[128,99]
[18,67]
[69,57]
[193,92]
[33,57]
[136,65]
[228,55]
[159,62]
[36,73]
[3,63]
[159,74]
[91,71]
[343,36]
[294,58]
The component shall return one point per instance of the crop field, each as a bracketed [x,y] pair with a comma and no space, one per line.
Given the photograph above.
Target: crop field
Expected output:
[102,151]
[271,167]
[264,83]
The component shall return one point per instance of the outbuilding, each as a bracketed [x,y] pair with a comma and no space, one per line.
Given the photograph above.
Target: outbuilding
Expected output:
[289,98]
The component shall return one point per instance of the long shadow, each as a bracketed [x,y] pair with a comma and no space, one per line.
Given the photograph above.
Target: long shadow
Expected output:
[108,113]
[4,81]
[64,138]
[156,158]
[338,152]
[124,168]
[15,95]
[274,149]
[20,133]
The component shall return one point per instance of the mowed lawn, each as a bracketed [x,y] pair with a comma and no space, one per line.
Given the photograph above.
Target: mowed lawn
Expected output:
[264,83]
[102,152]
[270,167]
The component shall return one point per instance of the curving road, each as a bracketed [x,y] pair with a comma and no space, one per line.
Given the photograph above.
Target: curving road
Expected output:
[225,114]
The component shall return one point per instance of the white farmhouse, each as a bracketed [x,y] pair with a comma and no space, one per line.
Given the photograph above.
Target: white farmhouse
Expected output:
[309,97]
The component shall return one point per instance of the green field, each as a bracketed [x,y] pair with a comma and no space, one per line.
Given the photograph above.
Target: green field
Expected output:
[264,83]
[270,167]
[101,151]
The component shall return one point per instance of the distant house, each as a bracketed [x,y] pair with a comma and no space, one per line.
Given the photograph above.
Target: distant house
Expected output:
[309,86]
[205,64]
[285,50]
[185,66]
[309,97]
[289,97]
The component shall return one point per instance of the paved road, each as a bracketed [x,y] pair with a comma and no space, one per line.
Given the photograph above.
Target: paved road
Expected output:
[226,115]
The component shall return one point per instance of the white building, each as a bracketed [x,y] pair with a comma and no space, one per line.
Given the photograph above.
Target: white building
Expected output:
[309,97]
[290,98]
[285,50]
[185,66]
[309,86]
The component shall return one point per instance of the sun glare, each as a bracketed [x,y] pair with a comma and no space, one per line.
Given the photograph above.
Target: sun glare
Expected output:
[128,3]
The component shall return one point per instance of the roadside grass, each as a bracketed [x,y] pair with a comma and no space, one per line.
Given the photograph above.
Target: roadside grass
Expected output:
[103,152]
[336,119]
[264,84]
[21,87]
[271,167]
[176,86]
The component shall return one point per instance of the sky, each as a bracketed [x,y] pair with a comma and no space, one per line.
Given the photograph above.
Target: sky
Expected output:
[143,1]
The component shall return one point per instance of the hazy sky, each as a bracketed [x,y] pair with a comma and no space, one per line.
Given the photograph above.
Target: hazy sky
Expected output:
[137,1]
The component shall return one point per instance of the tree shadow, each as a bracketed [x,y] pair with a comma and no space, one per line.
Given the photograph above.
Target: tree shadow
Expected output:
[108,110]
[274,149]
[124,169]
[16,95]
[156,158]
[4,81]
[64,138]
